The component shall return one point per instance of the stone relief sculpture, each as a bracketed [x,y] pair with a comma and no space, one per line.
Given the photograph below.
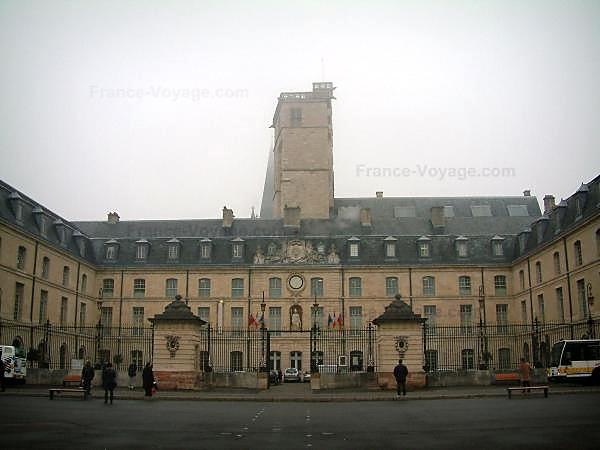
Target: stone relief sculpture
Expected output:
[296,251]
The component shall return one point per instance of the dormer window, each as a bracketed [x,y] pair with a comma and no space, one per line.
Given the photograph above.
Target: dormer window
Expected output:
[523,240]
[353,247]
[461,247]
[271,249]
[173,249]
[40,220]
[578,208]
[237,248]
[80,242]
[424,247]
[61,231]
[16,203]
[497,246]
[141,249]
[205,248]
[111,250]
[321,248]
[390,247]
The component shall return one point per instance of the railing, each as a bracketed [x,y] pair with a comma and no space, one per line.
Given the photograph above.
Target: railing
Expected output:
[498,347]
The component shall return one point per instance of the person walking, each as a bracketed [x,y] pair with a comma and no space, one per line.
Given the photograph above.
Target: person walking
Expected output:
[87,375]
[148,379]
[132,372]
[109,382]
[400,374]
[525,374]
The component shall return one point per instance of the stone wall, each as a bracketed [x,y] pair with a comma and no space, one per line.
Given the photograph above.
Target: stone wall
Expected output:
[356,380]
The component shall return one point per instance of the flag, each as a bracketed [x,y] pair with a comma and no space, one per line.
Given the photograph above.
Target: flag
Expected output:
[340,321]
[334,321]
[329,321]
[252,321]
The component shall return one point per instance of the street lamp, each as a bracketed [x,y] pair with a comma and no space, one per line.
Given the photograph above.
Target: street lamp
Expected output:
[313,358]
[485,356]
[590,302]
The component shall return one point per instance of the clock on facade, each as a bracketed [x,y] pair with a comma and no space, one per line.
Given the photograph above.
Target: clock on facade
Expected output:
[296,282]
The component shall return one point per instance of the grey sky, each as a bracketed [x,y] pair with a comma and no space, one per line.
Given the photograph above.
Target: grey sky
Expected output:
[511,84]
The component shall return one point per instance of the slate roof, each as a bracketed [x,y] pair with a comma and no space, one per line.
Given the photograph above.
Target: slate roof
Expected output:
[93,236]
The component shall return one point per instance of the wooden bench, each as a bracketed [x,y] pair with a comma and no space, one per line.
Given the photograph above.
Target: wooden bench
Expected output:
[53,391]
[528,388]
[71,379]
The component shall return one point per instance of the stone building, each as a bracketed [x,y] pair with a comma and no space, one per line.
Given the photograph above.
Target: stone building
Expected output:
[452,259]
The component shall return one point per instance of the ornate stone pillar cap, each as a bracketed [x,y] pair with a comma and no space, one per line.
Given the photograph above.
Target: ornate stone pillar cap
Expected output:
[177,310]
[398,311]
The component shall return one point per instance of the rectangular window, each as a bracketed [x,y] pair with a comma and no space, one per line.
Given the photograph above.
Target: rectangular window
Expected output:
[481,211]
[296,115]
[111,252]
[390,250]
[204,313]
[204,288]
[354,250]
[538,272]
[497,246]
[466,318]
[468,359]
[428,286]
[139,288]
[316,287]
[108,287]
[500,285]
[430,313]
[45,267]
[237,288]
[461,248]
[431,357]
[274,287]
[138,320]
[141,251]
[171,288]
[82,314]
[355,287]
[43,306]
[238,250]
[205,251]
[83,283]
[504,358]
[464,285]
[355,319]
[541,308]
[64,310]
[391,286]
[137,358]
[106,318]
[523,311]
[556,258]
[275,320]
[522,279]
[581,299]
[237,318]
[424,249]
[502,318]
[18,309]
[21,254]
[560,304]
[66,274]
[173,251]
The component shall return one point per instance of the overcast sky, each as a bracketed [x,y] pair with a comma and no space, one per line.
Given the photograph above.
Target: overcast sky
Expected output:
[161,109]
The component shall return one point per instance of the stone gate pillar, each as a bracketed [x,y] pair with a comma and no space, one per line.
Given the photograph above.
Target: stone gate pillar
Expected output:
[399,336]
[177,342]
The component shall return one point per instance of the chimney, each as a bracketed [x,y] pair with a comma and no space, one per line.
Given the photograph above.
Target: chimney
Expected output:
[379,194]
[438,220]
[113,218]
[227,217]
[527,193]
[291,216]
[549,203]
[365,217]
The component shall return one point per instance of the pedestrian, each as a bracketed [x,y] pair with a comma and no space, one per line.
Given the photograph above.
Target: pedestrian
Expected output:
[400,373]
[525,374]
[148,379]
[132,372]
[2,369]
[87,375]
[280,375]
[109,382]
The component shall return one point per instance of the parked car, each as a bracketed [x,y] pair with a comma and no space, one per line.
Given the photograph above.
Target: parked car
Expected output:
[307,376]
[291,374]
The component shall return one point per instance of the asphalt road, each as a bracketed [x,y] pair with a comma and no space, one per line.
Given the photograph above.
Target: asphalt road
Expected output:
[565,422]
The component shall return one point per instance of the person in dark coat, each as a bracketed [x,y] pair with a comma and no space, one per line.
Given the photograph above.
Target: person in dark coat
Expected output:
[2,369]
[148,379]
[400,373]
[87,375]
[109,382]
[132,372]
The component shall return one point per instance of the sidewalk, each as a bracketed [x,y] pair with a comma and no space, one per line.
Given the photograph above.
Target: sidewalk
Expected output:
[303,393]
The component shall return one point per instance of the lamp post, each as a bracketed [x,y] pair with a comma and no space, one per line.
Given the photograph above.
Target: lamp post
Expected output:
[263,306]
[590,302]
[99,325]
[485,356]
[313,356]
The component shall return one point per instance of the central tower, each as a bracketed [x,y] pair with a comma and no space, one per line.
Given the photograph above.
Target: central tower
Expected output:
[300,172]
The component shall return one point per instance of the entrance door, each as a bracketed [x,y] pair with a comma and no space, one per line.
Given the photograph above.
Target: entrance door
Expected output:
[296,360]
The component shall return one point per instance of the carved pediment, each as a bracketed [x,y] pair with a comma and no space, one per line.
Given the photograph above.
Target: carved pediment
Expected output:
[296,251]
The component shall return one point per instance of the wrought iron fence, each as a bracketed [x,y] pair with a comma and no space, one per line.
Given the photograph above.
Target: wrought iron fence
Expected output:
[237,350]
[54,346]
[338,350]
[497,347]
